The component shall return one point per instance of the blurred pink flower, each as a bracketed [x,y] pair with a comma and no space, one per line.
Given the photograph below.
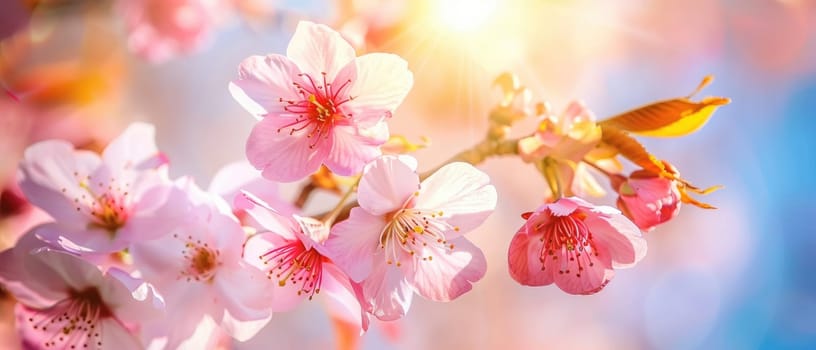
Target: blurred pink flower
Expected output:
[22,124]
[566,139]
[406,236]
[17,215]
[199,271]
[574,244]
[66,302]
[320,104]
[648,199]
[568,136]
[291,251]
[160,30]
[100,204]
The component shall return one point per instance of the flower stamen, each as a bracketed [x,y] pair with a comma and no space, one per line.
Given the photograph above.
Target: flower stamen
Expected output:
[293,263]
[108,209]
[318,110]
[202,260]
[74,322]
[568,237]
[411,231]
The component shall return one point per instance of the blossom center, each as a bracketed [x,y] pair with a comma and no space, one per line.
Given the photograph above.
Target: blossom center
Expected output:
[317,110]
[202,261]
[293,263]
[411,233]
[74,322]
[567,238]
[106,202]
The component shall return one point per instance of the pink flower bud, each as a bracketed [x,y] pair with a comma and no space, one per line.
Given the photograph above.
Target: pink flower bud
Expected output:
[648,199]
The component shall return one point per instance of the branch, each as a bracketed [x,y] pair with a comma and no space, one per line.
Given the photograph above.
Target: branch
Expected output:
[474,155]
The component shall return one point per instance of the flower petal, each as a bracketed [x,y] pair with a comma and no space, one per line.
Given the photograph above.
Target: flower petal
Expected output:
[48,168]
[269,219]
[134,149]
[31,281]
[387,183]
[250,301]
[388,292]
[186,314]
[342,301]
[76,273]
[233,178]
[159,261]
[264,84]
[524,260]
[620,236]
[462,192]
[116,336]
[565,206]
[450,273]
[579,275]
[130,298]
[82,240]
[243,330]
[260,244]
[281,156]
[350,150]
[284,298]
[353,241]
[383,80]
[204,334]
[157,213]
[318,49]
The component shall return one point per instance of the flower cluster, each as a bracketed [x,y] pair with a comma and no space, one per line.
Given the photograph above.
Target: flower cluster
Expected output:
[573,243]
[131,258]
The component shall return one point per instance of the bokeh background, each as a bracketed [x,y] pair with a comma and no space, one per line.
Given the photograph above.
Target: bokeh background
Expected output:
[740,277]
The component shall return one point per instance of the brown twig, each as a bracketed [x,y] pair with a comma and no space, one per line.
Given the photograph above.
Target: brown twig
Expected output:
[304,195]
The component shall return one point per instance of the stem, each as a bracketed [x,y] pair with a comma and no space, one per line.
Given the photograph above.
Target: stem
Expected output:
[551,174]
[305,192]
[340,208]
[479,153]
[598,168]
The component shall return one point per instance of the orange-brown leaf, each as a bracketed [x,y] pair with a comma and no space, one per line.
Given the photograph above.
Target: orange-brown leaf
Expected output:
[323,178]
[669,118]
[685,198]
[631,149]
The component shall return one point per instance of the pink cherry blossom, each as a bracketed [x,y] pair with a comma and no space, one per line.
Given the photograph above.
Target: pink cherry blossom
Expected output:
[100,204]
[159,30]
[574,244]
[199,271]
[66,302]
[291,251]
[406,236]
[320,104]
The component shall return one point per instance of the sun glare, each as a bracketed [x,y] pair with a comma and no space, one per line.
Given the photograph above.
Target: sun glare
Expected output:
[464,15]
